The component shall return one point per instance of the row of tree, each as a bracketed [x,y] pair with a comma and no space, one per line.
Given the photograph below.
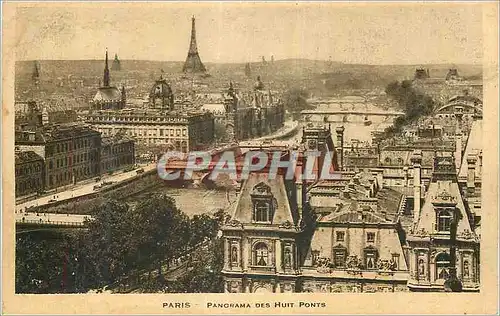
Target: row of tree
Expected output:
[295,100]
[413,103]
[120,241]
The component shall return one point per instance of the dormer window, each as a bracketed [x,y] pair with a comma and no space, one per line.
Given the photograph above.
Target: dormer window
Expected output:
[263,203]
[444,218]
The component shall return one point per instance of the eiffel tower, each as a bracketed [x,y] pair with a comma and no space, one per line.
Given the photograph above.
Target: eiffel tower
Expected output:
[193,62]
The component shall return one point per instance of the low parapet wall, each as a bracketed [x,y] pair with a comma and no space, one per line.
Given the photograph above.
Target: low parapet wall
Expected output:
[83,204]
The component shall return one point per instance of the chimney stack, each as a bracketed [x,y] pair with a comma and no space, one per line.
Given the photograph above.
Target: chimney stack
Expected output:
[340,141]
[471,170]
[416,160]
[379,176]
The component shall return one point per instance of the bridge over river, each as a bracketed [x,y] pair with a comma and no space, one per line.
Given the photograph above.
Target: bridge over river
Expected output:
[27,222]
[348,116]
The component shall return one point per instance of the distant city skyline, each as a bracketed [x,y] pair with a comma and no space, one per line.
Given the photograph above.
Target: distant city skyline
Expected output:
[389,33]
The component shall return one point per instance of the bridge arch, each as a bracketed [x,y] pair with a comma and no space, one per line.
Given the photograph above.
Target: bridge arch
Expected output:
[475,107]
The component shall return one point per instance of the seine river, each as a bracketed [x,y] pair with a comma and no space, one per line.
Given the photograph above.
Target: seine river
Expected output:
[194,201]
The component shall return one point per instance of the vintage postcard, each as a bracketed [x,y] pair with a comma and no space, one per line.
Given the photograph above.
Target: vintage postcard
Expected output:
[250,157]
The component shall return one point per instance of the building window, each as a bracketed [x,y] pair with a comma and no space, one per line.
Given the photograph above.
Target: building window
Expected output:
[395,261]
[442,266]
[339,257]
[370,258]
[262,210]
[261,254]
[263,203]
[370,237]
[315,256]
[340,236]
[444,221]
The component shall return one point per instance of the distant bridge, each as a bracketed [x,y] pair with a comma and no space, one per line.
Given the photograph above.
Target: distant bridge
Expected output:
[367,113]
[26,222]
[357,116]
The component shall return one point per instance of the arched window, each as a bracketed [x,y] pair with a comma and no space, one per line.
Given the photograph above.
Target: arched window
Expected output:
[442,266]
[387,161]
[261,254]
[444,221]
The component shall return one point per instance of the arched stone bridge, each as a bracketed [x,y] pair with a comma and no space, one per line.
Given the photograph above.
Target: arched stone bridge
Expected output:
[353,116]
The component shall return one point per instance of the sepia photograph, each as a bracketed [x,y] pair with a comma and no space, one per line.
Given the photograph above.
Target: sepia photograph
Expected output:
[318,148]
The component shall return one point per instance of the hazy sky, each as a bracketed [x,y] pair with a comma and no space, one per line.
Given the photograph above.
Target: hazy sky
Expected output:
[230,32]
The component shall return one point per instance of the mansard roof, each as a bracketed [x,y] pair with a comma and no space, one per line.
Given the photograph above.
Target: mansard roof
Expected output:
[474,147]
[285,205]
[443,191]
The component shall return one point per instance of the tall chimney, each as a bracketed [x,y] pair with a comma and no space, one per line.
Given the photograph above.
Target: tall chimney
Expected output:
[471,170]
[405,174]
[416,160]
[340,142]
[458,138]
[458,152]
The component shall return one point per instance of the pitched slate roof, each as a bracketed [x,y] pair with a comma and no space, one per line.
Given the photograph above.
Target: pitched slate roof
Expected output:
[474,146]
[26,156]
[107,94]
[285,206]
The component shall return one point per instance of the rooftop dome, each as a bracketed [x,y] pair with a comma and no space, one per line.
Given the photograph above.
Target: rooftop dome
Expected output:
[161,94]
[161,89]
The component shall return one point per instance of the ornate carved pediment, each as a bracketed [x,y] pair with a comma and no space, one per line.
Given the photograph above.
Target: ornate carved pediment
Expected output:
[286,224]
[234,286]
[466,234]
[234,223]
[323,265]
[287,287]
[422,233]
[261,190]
[354,263]
[444,197]
[386,266]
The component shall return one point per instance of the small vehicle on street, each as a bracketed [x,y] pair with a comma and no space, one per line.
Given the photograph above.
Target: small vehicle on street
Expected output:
[52,200]
[140,171]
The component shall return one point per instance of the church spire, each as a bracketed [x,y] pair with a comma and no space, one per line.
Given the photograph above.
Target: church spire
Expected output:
[106,71]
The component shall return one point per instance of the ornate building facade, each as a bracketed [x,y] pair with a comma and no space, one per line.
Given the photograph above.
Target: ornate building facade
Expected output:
[357,232]
[117,152]
[70,152]
[249,115]
[29,168]
[442,241]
